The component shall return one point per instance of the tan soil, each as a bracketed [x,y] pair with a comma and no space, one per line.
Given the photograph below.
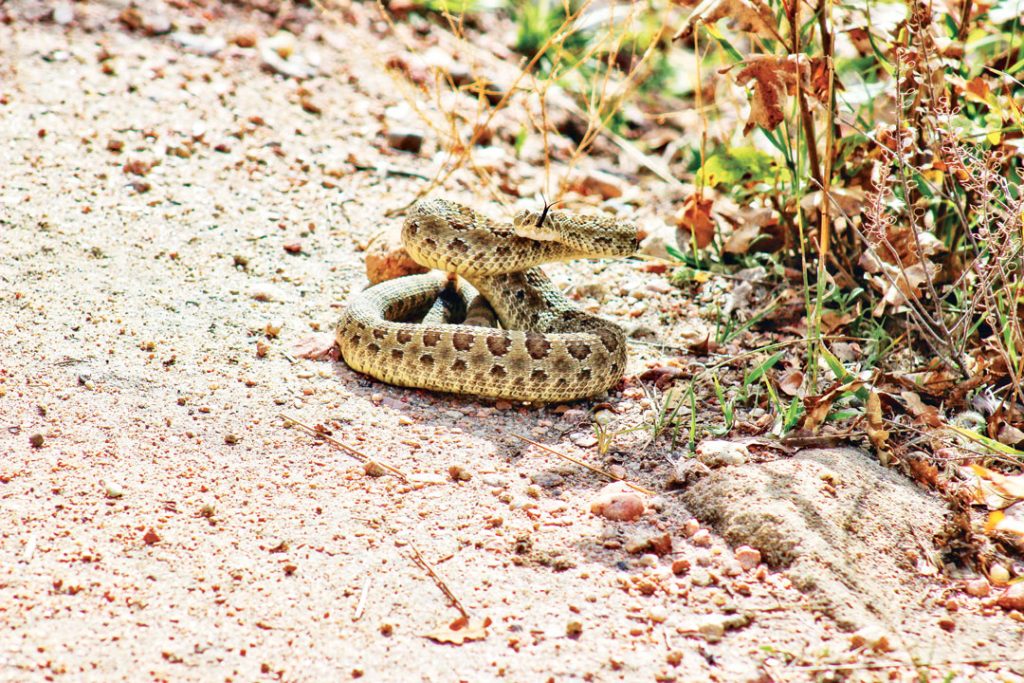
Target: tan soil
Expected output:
[169,526]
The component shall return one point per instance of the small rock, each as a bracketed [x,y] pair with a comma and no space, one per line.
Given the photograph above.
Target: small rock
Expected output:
[405,140]
[231,439]
[583,440]
[747,557]
[574,629]
[36,440]
[701,577]
[548,480]
[648,560]
[719,453]
[459,473]
[273,328]
[947,624]
[686,472]
[502,405]
[494,481]
[999,575]
[293,247]
[712,630]
[691,527]
[247,37]
[198,43]
[264,291]
[680,566]
[604,417]
[1012,597]
[114,491]
[262,348]
[702,539]
[978,588]
[151,537]
[618,502]
[732,568]
[871,638]
[374,469]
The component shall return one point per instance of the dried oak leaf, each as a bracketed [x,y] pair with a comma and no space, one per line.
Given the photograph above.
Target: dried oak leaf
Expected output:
[694,218]
[752,16]
[773,78]
[460,631]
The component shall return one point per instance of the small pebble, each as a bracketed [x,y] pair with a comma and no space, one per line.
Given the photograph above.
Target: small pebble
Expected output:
[374,469]
[702,538]
[748,557]
[691,527]
[618,502]
[1012,597]
[494,480]
[999,575]
[459,473]
[680,566]
[36,440]
[574,629]
[405,140]
[547,479]
[231,439]
[700,577]
[978,588]
[273,328]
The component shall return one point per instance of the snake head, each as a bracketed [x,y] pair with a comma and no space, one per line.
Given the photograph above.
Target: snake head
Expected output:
[537,225]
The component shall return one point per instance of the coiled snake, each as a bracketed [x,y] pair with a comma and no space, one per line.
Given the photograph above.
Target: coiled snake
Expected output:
[412,331]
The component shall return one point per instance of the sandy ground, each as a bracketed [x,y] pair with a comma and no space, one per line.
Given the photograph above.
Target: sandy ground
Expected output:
[159,521]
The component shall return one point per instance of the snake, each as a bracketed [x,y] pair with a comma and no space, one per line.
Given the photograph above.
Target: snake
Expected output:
[486,321]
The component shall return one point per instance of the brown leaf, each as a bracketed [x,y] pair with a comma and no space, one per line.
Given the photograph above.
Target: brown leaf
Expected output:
[791,381]
[752,16]
[460,631]
[977,89]
[695,218]
[922,412]
[773,78]
[997,490]
[875,429]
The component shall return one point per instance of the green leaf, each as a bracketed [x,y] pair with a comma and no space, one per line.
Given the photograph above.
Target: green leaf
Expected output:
[764,367]
[713,31]
[736,165]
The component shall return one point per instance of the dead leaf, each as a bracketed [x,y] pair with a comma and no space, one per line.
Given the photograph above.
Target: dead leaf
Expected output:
[997,490]
[791,381]
[922,412]
[817,407]
[752,16]
[875,429]
[773,78]
[460,631]
[695,218]
[1000,521]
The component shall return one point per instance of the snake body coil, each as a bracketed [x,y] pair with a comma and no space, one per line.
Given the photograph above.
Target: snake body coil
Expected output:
[545,350]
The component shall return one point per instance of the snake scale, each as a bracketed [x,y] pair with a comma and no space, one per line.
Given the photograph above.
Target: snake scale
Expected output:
[412,331]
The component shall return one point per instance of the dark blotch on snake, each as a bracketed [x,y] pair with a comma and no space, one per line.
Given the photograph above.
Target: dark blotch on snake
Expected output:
[537,346]
[498,345]
[578,350]
[462,341]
